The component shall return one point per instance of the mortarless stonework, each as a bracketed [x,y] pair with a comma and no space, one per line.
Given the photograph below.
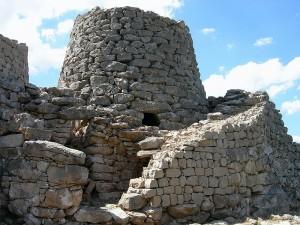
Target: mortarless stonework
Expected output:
[130,59]
[13,64]
[130,126]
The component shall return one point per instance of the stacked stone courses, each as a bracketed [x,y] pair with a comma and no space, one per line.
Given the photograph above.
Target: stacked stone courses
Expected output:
[129,136]
[129,59]
[13,64]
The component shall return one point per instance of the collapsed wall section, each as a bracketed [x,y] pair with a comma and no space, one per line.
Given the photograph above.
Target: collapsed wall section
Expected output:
[242,165]
[128,59]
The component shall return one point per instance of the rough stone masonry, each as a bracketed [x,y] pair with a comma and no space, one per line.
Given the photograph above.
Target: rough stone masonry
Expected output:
[129,136]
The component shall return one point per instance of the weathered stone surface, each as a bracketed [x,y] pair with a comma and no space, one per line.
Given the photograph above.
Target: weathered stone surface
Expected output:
[62,198]
[53,151]
[66,175]
[36,134]
[173,173]
[93,215]
[116,66]
[47,213]
[132,201]
[151,143]
[146,153]
[182,211]
[133,76]
[150,106]
[63,101]
[23,169]
[23,190]
[119,215]
[11,140]
[137,218]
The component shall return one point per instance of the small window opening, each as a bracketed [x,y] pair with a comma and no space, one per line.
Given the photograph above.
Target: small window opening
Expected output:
[150,119]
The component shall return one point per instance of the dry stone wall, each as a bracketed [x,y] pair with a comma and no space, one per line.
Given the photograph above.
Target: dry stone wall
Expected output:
[222,167]
[99,150]
[13,64]
[125,58]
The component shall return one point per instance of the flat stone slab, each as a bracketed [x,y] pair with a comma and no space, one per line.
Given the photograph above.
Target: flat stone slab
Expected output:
[54,151]
[146,153]
[93,215]
[119,215]
[151,143]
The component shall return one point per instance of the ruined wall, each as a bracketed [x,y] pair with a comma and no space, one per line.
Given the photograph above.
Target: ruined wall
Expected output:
[222,167]
[125,58]
[13,64]
[128,75]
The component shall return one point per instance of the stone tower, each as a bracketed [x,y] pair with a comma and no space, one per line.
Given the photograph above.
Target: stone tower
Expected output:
[128,59]
[84,153]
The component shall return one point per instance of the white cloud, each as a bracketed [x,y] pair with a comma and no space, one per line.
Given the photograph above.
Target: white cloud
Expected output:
[291,107]
[63,27]
[208,30]
[229,46]
[296,139]
[48,33]
[263,41]
[221,68]
[278,88]
[23,20]
[270,75]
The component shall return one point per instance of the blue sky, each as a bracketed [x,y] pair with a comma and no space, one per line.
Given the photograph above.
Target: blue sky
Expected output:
[247,44]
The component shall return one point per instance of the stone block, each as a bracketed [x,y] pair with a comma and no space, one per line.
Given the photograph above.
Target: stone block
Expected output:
[132,201]
[169,190]
[173,172]
[155,201]
[197,198]
[11,141]
[23,190]
[188,172]
[151,183]
[62,198]
[53,151]
[93,215]
[67,175]
[151,143]
[119,215]
[148,193]
[47,213]
[181,211]
[165,200]
[220,171]
[199,171]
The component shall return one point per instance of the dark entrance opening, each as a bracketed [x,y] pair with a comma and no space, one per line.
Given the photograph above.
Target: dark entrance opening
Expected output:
[150,119]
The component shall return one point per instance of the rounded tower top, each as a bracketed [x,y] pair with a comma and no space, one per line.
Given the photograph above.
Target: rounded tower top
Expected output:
[136,62]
